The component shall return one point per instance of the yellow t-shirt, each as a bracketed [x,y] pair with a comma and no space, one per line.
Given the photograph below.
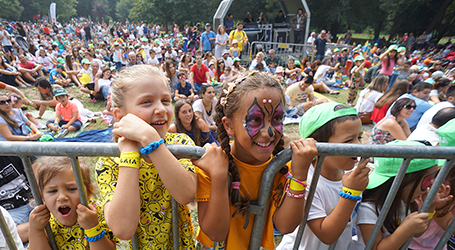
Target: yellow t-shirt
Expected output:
[240,36]
[297,95]
[155,224]
[250,179]
[74,237]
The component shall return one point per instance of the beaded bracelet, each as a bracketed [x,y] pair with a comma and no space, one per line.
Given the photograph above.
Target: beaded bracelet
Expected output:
[350,197]
[298,196]
[97,237]
[129,159]
[151,147]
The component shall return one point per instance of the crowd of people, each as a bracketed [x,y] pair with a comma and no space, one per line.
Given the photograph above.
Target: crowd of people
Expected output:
[146,75]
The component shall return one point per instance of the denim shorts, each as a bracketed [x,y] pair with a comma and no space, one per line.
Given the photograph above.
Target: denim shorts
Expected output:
[8,48]
[21,215]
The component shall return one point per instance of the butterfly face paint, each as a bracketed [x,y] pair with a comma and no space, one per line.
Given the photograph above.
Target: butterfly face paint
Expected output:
[256,119]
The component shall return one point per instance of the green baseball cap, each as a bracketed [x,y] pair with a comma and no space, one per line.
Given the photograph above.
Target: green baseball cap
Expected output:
[116,43]
[130,47]
[144,39]
[297,62]
[401,49]
[59,91]
[236,59]
[386,168]
[60,60]
[157,41]
[392,47]
[447,134]
[321,114]
[344,49]
[336,50]
[85,61]
[359,58]
[137,45]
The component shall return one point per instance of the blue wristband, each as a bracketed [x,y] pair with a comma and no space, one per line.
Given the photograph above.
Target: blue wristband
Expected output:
[151,147]
[96,238]
[348,196]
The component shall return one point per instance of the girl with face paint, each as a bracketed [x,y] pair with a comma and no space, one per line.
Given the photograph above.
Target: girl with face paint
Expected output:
[251,111]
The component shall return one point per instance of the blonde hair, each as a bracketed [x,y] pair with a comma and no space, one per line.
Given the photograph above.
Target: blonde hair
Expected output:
[128,78]
[50,166]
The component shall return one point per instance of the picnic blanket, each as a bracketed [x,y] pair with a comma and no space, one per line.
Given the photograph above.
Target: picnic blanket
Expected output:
[50,115]
[94,135]
[296,119]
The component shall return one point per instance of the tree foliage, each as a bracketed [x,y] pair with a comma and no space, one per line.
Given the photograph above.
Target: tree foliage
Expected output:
[122,9]
[11,9]
[99,10]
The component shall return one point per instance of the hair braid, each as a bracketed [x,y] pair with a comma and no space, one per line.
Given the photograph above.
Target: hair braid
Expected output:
[284,170]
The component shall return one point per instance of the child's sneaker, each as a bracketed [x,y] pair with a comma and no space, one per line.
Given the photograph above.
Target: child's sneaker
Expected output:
[61,133]
[40,126]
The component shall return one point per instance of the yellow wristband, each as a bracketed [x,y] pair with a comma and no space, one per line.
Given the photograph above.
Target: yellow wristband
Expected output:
[94,231]
[130,159]
[431,216]
[351,191]
[295,186]
[25,98]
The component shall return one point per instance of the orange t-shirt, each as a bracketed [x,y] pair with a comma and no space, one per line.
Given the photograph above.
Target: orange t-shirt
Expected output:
[2,85]
[250,179]
[67,112]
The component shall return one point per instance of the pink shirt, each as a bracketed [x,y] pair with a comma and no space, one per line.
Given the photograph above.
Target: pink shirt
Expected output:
[387,71]
[67,112]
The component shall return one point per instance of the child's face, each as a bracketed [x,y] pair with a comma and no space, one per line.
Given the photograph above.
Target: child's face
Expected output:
[61,197]
[85,66]
[349,131]
[256,126]
[423,186]
[358,63]
[150,100]
[182,78]
[63,99]
[235,45]
[18,104]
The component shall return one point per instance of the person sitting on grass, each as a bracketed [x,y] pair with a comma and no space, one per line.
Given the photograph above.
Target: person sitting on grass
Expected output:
[183,90]
[56,77]
[66,113]
[29,70]
[46,91]
[301,95]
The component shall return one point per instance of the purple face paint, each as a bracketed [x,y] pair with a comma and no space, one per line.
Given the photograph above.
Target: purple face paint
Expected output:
[277,118]
[254,119]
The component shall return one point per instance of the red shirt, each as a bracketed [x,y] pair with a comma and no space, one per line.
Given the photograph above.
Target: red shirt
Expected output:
[199,74]
[29,65]
[380,113]
[46,30]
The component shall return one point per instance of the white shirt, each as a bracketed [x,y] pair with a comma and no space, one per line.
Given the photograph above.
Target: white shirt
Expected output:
[103,82]
[425,133]
[199,106]
[46,62]
[325,199]
[228,61]
[367,104]
[12,228]
[5,40]
[428,115]
[367,215]
[153,61]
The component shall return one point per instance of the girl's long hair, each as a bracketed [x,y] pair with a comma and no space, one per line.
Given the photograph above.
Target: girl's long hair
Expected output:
[8,119]
[397,90]
[251,83]
[198,140]
[378,195]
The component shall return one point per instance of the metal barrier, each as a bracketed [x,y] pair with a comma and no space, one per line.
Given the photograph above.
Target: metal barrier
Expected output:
[284,51]
[73,150]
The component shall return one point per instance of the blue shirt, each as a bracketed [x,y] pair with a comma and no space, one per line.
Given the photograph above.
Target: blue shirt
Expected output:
[184,90]
[53,76]
[422,107]
[206,43]
[20,118]
[229,24]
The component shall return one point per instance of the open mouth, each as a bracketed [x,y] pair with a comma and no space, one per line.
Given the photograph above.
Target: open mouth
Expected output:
[355,159]
[264,145]
[158,124]
[64,211]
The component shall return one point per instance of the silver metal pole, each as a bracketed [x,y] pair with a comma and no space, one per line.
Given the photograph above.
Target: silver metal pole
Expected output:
[388,203]
[6,233]
[37,196]
[433,191]
[312,190]
[308,19]
[79,180]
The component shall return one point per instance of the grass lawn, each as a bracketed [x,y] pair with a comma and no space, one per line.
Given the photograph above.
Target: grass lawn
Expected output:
[291,129]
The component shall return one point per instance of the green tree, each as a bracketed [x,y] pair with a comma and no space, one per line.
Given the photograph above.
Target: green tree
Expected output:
[122,9]
[99,10]
[84,8]
[11,9]
[65,8]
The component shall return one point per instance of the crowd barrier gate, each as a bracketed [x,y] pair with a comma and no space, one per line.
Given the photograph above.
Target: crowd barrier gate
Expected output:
[74,150]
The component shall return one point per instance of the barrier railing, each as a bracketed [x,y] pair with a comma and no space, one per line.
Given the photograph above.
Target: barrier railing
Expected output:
[73,150]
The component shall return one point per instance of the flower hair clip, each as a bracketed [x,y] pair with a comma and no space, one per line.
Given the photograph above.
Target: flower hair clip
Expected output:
[232,86]
[13,99]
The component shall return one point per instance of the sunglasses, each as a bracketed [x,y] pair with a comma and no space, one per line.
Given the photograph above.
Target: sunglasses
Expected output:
[409,107]
[3,102]
[428,181]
